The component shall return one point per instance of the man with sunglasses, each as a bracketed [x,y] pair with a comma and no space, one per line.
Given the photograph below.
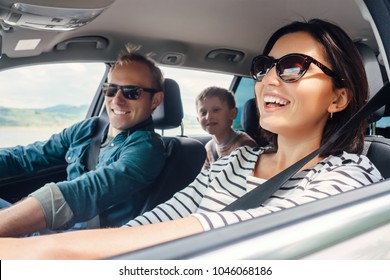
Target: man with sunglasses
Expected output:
[131,157]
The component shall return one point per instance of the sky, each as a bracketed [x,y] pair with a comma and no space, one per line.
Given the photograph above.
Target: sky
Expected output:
[41,87]
[76,83]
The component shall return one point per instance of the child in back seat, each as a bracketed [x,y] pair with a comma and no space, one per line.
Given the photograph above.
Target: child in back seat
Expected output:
[216,109]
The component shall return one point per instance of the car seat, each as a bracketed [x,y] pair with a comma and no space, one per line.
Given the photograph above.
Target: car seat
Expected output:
[376,148]
[185,155]
[250,123]
[374,76]
[169,114]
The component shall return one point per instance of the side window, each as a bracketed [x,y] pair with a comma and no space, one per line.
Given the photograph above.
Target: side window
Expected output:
[383,126]
[244,91]
[37,101]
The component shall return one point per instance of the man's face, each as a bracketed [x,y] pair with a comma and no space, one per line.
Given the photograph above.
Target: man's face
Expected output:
[125,113]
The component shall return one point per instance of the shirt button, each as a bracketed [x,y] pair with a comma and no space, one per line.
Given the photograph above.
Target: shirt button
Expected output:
[112,145]
[69,158]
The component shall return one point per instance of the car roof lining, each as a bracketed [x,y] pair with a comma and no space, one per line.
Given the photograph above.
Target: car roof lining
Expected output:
[142,26]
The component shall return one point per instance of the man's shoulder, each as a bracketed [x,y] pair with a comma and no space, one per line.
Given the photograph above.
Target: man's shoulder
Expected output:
[144,138]
[88,123]
[146,134]
[81,129]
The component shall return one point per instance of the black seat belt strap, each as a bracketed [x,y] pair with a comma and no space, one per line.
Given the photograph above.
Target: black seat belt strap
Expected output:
[94,146]
[92,160]
[257,196]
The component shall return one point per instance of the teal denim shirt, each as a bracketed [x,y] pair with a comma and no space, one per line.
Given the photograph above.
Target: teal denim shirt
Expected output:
[115,190]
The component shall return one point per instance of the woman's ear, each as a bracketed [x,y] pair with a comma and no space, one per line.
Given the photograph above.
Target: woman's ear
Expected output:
[340,101]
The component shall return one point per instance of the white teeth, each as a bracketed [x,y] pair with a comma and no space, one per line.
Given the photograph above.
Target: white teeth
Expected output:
[274,99]
[119,112]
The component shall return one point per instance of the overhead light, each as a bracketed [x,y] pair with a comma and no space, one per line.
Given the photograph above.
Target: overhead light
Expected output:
[48,18]
[27,45]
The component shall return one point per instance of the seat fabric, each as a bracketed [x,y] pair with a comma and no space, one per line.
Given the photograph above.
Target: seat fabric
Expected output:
[186,156]
[250,123]
[377,149]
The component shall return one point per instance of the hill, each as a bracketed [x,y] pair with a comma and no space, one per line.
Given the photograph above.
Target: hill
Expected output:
[51,116]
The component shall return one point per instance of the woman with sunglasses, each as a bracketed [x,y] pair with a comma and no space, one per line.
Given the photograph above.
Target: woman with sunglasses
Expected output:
[309,82]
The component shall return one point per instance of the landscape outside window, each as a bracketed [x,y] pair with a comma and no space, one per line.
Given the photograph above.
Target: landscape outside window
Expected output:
[37,101]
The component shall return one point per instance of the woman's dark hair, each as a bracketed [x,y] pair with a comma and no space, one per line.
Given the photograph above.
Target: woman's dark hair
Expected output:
[345,60]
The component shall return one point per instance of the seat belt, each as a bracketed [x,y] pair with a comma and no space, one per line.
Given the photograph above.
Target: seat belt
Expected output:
[257,196]
[96,141]
[92,160]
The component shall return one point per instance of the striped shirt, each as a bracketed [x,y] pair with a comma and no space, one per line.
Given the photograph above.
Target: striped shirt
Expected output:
[227,180]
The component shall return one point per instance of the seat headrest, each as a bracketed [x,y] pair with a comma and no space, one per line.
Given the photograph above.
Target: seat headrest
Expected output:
[373,72]
[250,123]
[169,114]
[249,117]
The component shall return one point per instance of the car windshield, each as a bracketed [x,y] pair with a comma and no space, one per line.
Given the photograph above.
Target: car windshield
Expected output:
[55,57]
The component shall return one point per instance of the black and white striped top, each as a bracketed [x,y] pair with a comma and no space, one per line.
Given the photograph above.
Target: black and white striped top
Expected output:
[227,180]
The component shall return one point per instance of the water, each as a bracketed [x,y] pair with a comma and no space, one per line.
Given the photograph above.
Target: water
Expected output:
[12,136]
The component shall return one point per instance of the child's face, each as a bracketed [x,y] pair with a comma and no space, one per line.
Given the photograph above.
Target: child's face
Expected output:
[215,116]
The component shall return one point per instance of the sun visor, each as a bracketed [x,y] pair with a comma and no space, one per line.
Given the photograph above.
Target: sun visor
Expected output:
[48,18]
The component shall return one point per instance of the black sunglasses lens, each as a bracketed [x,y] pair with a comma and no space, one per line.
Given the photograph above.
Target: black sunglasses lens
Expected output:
[289,68]
[292,68]
[260,67]
[110,91]
[131,93]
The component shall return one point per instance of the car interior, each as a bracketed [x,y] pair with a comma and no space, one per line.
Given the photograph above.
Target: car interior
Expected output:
[219,36]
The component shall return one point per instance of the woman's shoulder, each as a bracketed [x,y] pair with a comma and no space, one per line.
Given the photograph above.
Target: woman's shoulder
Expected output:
[350,162]
[249,150]
[244,153]
[241,159]
[348,159]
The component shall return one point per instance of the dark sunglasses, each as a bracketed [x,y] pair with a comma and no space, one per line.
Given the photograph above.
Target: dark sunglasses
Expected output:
[129,91]
[289,68]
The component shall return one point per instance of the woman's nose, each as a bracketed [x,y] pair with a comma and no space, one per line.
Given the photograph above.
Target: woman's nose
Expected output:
[271,77]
